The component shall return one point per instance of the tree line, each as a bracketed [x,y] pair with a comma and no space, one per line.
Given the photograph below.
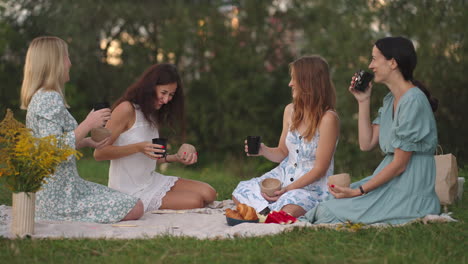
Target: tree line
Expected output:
[234,57]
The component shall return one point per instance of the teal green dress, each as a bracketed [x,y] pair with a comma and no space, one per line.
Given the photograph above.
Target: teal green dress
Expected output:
[408,196]
[66,196]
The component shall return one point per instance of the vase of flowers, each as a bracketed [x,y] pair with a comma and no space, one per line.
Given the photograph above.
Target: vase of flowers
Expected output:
[23,213]
[25,164]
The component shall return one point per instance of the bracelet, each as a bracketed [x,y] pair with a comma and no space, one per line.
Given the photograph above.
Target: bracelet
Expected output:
[362,190]
[165,158]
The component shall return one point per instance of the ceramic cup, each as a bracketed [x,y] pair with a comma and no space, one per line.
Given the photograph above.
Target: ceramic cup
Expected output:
[163,142]
[253,144]
[342,179]
[269,186]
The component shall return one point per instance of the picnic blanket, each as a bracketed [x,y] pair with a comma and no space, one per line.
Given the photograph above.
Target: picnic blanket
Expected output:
[203,223]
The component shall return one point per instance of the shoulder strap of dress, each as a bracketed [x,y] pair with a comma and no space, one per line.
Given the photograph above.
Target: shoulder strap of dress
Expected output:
[138,113]
[335,113]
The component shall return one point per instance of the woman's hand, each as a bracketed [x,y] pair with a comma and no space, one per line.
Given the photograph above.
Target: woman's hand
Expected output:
[187,158]
[276,197]
[260,151]
[152,151]
[360,96]
[97,118]
[343,192]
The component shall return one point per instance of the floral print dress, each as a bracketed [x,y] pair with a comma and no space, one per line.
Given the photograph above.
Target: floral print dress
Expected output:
[300,160]
[66,196]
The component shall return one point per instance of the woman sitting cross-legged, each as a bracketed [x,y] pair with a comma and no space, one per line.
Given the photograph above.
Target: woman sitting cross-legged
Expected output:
[306,146]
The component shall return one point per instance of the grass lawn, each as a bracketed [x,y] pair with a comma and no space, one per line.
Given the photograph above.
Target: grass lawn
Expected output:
[418,243]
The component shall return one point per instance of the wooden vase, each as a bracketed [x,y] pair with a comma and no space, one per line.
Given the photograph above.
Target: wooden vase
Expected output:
[23,213]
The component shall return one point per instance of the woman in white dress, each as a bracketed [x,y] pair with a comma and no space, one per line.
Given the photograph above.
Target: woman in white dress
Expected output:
[306,146]
[155,100]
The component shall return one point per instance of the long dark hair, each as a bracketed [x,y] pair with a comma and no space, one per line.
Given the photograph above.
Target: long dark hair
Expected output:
[143,93]
[402,50]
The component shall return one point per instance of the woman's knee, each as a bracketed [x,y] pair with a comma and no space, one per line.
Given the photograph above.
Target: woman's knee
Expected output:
[136,213]
[196,201]
[294,210]
[209,194]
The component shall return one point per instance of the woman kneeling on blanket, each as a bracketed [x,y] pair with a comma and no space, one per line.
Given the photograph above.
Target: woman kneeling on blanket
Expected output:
[402,187]
[155,100]
[306,146]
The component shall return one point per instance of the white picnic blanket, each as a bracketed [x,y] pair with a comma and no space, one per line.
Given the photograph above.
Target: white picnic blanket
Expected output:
[204,223]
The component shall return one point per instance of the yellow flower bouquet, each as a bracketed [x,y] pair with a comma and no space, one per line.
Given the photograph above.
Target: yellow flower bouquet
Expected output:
[26,161]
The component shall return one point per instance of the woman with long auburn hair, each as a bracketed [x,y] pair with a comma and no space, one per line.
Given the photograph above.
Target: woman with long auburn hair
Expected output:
[66,196]
[154,101]
[306,146]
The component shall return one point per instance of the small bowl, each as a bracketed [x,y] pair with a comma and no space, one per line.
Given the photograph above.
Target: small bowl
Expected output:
[269,186]
[233,221]
[342,179]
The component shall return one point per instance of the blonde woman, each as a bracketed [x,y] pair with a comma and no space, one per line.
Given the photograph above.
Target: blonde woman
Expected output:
[306,146]
[66,196]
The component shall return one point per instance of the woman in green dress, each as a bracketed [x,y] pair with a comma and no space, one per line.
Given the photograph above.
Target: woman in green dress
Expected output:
[66,196]
[402,187]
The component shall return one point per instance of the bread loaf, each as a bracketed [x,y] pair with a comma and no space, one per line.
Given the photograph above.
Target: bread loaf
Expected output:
[233,214]
[247,212]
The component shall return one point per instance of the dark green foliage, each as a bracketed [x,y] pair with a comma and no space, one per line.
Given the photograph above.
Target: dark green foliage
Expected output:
[236,78]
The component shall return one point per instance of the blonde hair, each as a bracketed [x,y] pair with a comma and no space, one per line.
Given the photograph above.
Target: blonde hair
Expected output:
[315,93]
[44,68]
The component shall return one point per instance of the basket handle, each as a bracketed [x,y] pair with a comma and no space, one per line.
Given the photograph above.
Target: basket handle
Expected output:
[439,148]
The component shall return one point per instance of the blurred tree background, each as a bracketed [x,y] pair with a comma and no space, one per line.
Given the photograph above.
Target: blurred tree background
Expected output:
[234,58]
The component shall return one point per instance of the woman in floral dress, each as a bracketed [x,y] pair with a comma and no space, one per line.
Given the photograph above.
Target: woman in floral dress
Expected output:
[66,196]
[306,146]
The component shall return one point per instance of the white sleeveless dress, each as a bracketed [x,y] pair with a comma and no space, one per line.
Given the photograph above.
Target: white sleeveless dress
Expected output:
[135,174]
[300,160]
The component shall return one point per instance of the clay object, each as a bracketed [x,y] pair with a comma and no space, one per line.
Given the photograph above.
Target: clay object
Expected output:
[342,179]
[100,133]
[269,186]
[187,148]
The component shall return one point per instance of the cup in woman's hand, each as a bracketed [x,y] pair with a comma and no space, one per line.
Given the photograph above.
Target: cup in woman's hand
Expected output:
[101,105]
[253,144]
[342,179]
[162,142]
[100,133]
[361,82]
[269,186]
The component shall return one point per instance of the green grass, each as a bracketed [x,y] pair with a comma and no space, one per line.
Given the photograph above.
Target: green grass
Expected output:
[417,243]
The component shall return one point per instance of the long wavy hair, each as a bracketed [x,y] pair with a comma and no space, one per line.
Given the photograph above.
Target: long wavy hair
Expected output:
[402,50]
[315,93]
[143,93]
[44,68]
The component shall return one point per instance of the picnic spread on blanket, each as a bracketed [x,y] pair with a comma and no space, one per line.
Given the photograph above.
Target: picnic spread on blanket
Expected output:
[203,223]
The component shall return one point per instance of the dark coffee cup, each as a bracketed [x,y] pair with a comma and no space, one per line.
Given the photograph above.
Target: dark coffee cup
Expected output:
[100,105]
[253,144]
[361,82]
[163,142]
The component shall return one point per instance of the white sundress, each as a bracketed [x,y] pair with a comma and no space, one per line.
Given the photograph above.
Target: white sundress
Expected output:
[135,174]
[300,160]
